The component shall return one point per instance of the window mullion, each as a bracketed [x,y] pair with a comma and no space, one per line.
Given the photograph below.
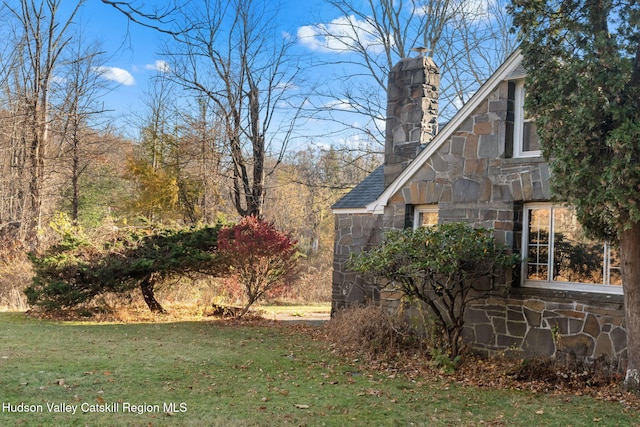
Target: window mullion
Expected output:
[605,265]
[551,250]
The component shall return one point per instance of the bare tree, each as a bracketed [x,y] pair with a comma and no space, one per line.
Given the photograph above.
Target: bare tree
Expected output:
[476,41]
[160,18]
[203,140]
[318,179]
[467,39]
[39,40]
[178,161]
[160,122]
[79,115]
[149,167]
[233,56]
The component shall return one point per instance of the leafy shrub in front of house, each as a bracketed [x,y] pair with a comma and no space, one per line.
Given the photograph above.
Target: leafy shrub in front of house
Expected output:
[259,257]
[444,266]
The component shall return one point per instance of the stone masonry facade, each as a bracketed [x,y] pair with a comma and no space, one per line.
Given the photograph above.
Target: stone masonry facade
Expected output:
[412,112]
[353,234]
[472,177]
[568,327]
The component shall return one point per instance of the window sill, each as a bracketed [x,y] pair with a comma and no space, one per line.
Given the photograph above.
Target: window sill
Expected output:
[524,160]
[571,294]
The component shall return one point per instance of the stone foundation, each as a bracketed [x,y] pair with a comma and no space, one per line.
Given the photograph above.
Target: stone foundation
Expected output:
[533,322]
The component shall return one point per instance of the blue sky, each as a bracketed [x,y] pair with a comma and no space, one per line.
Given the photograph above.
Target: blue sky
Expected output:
[133,51]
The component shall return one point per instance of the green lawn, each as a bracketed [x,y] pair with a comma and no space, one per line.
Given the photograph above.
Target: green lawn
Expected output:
[217,374]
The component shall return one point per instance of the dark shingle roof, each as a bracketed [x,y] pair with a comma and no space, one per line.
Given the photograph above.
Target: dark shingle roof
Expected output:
[364,193]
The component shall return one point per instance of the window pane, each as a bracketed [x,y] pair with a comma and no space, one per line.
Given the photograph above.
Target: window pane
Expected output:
[575,258]
[558,251]
[615,278]
[428,218]
[538,244]
[537,271]
[530,141]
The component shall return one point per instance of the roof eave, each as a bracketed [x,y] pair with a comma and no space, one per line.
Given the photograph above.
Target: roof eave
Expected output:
[372,208]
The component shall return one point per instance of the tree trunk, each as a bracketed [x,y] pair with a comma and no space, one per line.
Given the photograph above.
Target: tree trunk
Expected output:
[149,297]
[75,178]
[630,266]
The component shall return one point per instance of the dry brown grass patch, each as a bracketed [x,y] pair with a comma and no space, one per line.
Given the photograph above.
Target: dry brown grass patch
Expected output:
[370,330]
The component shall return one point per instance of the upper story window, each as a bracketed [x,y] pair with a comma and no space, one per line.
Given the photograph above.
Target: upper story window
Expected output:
[525,137]
[425,215]
[558,255]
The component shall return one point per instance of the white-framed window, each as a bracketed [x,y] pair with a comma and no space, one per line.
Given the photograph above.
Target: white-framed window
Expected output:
[525,138]
[425,215]
[557,254]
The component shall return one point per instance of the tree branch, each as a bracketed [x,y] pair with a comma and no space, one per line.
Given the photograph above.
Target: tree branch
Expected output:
[156,20]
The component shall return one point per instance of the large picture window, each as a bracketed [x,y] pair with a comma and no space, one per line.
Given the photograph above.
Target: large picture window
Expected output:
[557,253]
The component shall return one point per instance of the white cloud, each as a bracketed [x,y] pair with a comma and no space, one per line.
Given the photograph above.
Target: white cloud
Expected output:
[340,104]
[159,65]
[117,75]
[286,86]
[475,10]
[461,99]
[59,79]
[340,35]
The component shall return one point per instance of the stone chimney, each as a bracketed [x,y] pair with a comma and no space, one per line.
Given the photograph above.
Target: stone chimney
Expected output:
[412,112]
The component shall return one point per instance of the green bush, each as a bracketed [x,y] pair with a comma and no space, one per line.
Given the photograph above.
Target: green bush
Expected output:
[78,269]
[444,266]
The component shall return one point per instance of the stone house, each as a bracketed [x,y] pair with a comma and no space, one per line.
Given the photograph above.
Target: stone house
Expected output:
[485,168]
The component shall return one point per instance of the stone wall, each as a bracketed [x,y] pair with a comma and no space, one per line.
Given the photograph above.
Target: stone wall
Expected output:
[472,179]
[354,233]
[569,327]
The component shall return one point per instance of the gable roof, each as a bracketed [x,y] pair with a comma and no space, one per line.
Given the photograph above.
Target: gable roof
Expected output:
[364,193]
[510,69]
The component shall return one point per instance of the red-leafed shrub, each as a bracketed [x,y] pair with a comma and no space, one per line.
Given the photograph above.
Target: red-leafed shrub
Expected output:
[262,258]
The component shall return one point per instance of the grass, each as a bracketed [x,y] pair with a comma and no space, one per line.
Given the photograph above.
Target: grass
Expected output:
[242,374]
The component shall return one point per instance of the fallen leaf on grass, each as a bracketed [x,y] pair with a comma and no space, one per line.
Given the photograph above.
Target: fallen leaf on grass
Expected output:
[540,412]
